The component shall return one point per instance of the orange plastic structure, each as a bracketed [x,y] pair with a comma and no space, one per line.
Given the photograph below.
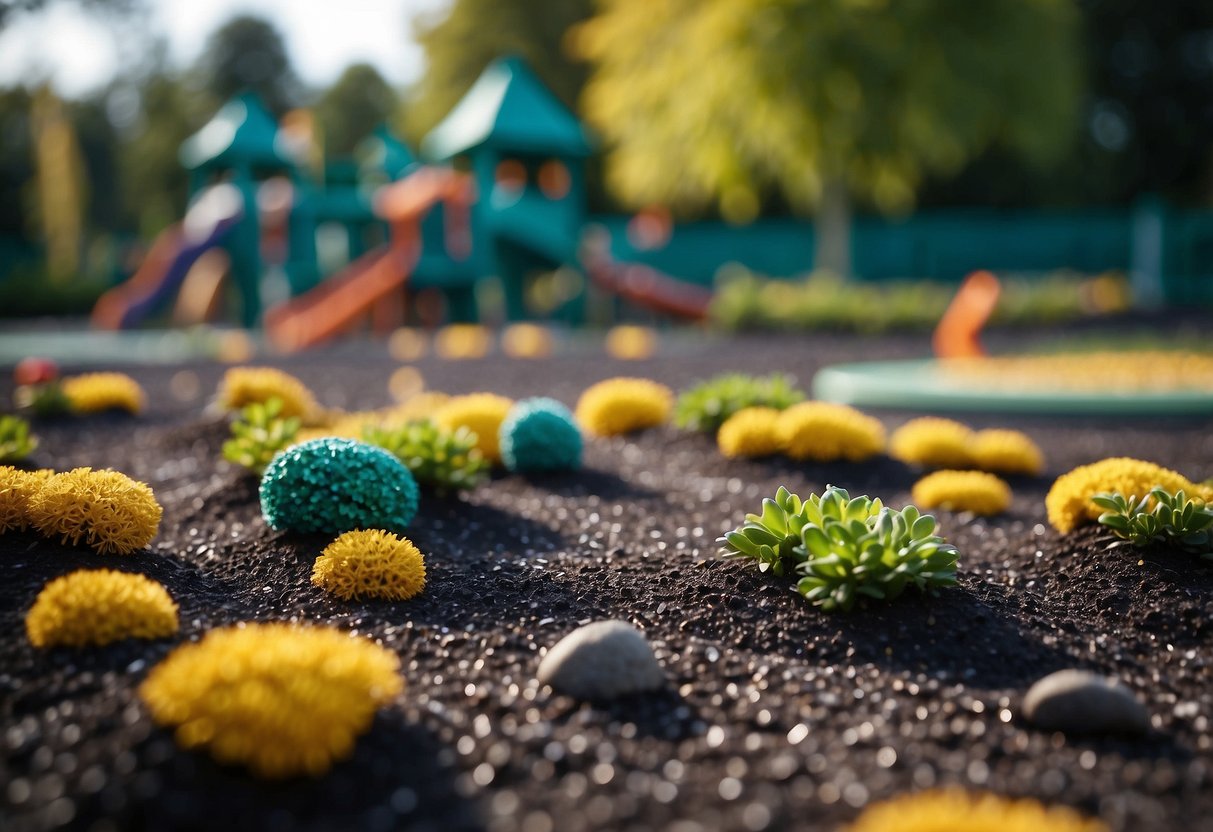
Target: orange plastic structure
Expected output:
[371,287]
[958,331]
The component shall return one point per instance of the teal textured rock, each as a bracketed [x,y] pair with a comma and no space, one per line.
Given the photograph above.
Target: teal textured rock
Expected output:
[337,485]
[540,435]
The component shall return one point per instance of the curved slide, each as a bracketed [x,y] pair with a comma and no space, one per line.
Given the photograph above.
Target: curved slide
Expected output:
[371,286]
[643,285]
[174,252]
[533,225]
[341,301]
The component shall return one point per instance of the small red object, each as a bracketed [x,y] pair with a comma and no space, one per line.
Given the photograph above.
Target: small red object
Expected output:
[34,370]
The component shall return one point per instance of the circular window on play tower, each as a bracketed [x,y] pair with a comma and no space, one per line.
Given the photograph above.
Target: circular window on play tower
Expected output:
[554,179]
[510,175]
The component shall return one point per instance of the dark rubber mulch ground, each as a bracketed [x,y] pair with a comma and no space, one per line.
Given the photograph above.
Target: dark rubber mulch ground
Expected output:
[777,716]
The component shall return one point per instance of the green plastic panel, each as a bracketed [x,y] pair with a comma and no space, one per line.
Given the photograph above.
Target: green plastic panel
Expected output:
[917,385]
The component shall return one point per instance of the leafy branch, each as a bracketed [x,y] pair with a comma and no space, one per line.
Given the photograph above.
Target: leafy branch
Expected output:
[259,433]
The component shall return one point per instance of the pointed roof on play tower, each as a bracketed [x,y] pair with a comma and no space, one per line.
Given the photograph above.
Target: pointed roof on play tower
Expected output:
[382,155]
[242,132]
[508,109]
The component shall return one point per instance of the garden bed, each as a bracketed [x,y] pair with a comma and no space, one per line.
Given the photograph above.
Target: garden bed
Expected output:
[776,716]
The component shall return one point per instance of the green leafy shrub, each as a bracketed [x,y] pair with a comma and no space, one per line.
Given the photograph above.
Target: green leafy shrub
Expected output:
[823,301]
[34,293]
[16,443]
[1174,520]
[258,434]
[441,459]
[707,405]
[42,400]
[844,548]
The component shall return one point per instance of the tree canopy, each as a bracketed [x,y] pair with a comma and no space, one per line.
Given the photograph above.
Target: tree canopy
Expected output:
[460,42]
[716,101]
[247,53]
[352,107]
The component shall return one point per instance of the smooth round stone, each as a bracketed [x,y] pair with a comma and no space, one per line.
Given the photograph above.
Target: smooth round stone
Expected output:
[602,660]
[1079,702]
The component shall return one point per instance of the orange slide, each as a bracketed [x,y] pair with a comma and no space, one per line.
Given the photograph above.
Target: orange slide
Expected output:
[643,285]
[341,302]
[373,285]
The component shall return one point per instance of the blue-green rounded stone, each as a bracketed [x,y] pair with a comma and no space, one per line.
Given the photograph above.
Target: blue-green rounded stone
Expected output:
[337,485]
[540,435]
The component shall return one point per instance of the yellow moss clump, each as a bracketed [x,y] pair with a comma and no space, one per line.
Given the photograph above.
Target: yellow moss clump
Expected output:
[458,342]
[974,491]
[281,699]
[527,341]
[370,564]
[824,431]
[17,488]
[751,431]
[352,424]
[622,405]
[954,810]
[1128,371]
[932,443]
[97,392]
[482,414]
[1069,500]
[629,342]
[111,512]
[415,409]
[1006,451]
[98,606]
[244,385]
[341,425]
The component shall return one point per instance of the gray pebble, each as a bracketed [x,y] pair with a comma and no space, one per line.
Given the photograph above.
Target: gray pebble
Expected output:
[602,660]
[1079,702]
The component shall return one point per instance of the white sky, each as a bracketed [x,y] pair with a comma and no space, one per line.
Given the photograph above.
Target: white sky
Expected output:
[81,52]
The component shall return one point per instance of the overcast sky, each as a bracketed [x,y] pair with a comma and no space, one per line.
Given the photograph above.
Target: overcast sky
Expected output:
[81,52]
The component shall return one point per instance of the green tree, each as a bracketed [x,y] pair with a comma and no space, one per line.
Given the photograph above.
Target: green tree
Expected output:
[352,107]
[99,149]
[821,100]
[461,42]
[1147,123]
[247,53]
[11,9]
[17,206]
[153,183]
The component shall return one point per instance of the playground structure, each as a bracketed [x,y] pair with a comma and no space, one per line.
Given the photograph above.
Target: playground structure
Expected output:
[505,198]
[501,201]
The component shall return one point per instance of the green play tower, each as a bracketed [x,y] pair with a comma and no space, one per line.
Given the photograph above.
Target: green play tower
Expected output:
[527,153]
[240,145]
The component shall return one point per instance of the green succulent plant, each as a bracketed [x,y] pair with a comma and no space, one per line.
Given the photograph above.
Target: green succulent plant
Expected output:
[708,404]
[16,443]
[844,548]
[444,460]
[1174,520]
[258,434]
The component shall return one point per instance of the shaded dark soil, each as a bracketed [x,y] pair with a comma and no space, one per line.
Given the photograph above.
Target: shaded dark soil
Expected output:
[776,716]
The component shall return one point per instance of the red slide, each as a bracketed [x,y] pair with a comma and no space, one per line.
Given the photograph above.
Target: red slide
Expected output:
[339,303]
[643,285]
